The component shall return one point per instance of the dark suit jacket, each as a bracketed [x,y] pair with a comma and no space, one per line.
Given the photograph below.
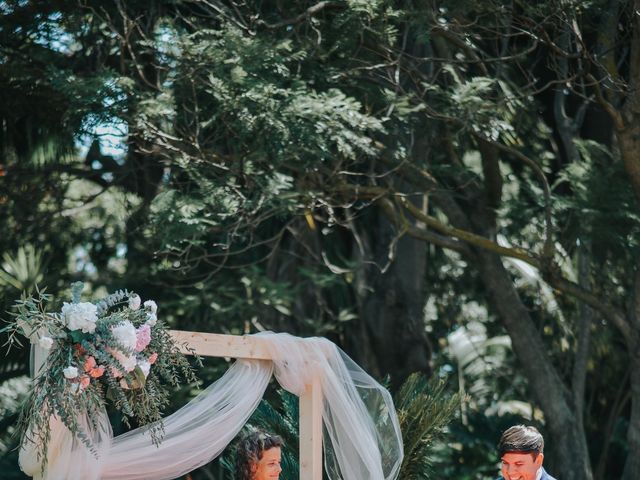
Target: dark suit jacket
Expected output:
[545,476]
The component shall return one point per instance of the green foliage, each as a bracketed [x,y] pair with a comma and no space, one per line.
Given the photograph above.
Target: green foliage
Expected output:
[87,366]
[248,131]
[607,216]
[24,270]
[425,408]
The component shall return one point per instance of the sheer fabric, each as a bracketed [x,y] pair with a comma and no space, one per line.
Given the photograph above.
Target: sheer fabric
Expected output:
[362,436]
[67,457]
[195,434]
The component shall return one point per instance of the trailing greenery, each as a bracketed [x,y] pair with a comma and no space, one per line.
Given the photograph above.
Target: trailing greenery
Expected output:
[113,351]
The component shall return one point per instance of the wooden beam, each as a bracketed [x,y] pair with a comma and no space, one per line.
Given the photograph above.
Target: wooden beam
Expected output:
[311,401]
[311,405]
[220,345]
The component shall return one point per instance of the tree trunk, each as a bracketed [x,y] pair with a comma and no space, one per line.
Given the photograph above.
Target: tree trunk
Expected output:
[629,143]
[584,322]
[391,305]
[628,134]
[632,465]
[567,451]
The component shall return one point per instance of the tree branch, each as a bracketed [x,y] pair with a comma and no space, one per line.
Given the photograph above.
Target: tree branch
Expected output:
[611,313]
[469,237]
[454,39]
[492,177]
[308,13]
[548,248]
[547,269]
[616,116]
[420,233]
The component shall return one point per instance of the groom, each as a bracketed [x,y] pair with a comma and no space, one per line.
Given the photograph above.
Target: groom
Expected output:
[521,451]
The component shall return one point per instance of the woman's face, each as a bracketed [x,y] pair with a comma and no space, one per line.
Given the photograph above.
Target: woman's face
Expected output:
[268,467]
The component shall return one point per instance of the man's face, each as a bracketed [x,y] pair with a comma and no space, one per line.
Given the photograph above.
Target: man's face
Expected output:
[268,467]
[520,466]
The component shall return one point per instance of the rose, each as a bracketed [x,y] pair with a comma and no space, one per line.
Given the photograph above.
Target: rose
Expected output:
[70,372]
[143,335]
[92,369]
[96,372]
[80,316]
[134,302]
[84,381]
[125,334]
[151,306]
[151,319]
[89,363]
[153,358]
[46,342]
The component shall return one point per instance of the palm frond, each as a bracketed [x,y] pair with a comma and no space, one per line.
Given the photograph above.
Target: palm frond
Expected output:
[24,269]
[424,410]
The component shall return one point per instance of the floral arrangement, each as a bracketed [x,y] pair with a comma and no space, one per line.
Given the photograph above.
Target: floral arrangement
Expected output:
[115,350]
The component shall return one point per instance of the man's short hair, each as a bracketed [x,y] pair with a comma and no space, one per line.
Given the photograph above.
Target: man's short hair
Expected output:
[522,439]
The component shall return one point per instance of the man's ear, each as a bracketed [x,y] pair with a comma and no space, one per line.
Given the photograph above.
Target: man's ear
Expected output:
[539,459]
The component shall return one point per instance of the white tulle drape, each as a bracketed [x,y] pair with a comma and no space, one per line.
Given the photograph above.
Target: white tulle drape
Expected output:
[362,436]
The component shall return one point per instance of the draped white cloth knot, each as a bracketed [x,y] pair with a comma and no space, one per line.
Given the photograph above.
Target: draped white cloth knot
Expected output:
[362,435]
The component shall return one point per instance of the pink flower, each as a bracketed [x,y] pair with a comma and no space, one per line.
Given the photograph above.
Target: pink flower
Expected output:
[115,373]
[89,364]
[92,368]
[153,357]
[143,337]
[84,381]
[96,372]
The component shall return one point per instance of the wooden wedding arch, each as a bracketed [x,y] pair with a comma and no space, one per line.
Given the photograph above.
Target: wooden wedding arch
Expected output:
[234,346]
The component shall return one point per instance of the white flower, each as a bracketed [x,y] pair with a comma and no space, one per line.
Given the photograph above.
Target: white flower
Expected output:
[134,302]
[46,342]
[70,372]
[151,306]
[80,316]
[145,366]
[151,319]
[125,334]
[128,362]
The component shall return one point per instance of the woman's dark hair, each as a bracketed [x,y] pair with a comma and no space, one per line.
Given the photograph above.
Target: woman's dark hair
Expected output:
[250,449]
[521,438]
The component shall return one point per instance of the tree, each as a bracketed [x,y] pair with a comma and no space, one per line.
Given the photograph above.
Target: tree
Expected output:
[311,165]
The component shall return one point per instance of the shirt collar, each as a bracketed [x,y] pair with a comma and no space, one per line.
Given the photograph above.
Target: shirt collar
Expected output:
[539,474]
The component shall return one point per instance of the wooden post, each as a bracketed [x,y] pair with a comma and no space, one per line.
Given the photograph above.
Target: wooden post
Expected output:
[311,401]
[311,405]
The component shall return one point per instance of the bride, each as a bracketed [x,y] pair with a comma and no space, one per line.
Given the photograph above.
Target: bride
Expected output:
[258,457]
